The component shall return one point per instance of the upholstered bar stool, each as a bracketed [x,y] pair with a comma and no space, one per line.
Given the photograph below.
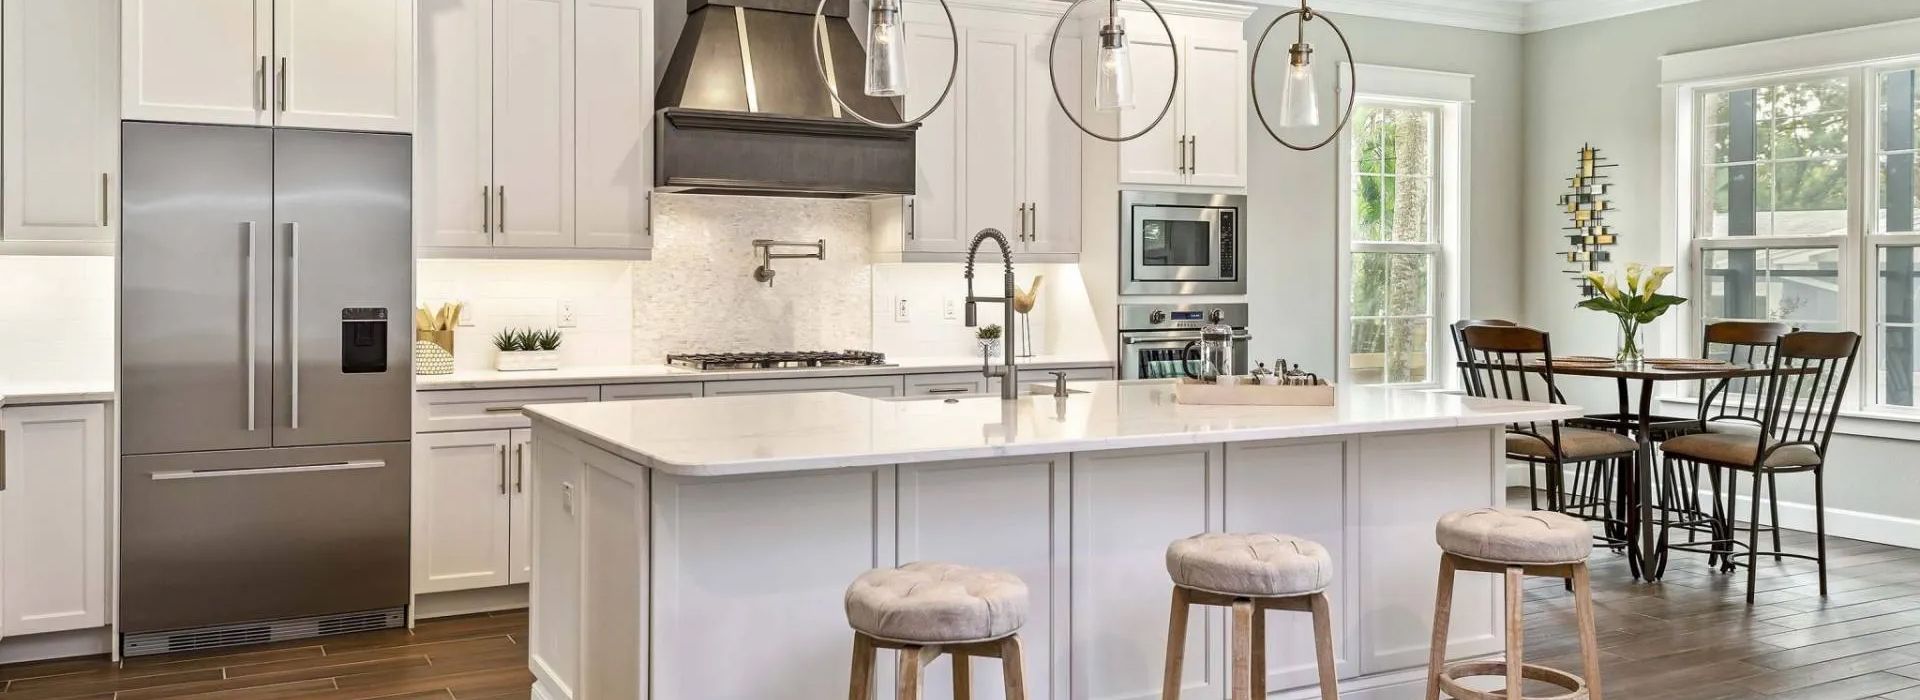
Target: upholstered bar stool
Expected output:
[1514,544]
[1250,574]
[926,609]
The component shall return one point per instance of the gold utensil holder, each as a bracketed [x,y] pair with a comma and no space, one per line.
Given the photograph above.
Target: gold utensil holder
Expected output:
[444,339]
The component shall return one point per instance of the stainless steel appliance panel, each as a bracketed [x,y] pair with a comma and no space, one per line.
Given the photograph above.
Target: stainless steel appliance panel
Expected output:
[342,218]
[1155,331]
[1182,243]
[196,277]
[219,537]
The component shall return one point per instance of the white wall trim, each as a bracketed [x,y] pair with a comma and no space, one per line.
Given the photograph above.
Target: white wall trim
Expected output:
[1507,16]
[1821,51]
[1542,15]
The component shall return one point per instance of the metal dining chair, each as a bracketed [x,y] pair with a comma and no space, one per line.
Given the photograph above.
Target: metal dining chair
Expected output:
[1460,347]
[1800,403]
[1726,406]
[1500,362]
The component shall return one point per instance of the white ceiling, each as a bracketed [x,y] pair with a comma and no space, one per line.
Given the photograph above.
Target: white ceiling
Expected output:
[1512,16]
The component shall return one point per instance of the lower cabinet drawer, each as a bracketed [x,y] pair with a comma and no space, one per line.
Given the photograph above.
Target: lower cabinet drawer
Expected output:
[488,409]
[1082,374]
[672,390]
[952,383]
[870,385]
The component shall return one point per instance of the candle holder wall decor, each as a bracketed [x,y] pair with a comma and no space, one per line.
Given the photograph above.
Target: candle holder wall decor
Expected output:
[1587,204]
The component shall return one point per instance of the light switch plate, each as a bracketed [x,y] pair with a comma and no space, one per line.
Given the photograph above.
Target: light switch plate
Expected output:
[567,319]
[900,314]
[950,308]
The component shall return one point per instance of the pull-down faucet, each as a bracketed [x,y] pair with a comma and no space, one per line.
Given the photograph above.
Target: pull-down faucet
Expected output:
[1009,374]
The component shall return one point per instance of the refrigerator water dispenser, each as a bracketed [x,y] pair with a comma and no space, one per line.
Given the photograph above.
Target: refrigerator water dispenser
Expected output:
[363,340]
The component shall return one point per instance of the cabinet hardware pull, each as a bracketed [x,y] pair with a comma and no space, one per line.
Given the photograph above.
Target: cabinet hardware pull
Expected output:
[293,319]
[253,295]
[281,84]
[486,211]
[1193,154]
[3,460]
[503,470]
[952,390]
[260,85]
[501,226]
[520,468]
[1183,154]
[913,220]
[502,409]
[1033,212]
[106,217]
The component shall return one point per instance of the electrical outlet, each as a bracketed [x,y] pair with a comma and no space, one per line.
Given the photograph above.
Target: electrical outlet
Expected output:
[567,317]
[467,316]
[566,496]
[900,314]
[950,308]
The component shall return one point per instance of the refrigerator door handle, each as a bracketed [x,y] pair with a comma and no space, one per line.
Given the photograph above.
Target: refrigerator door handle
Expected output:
[269,471]
[253,296]
[293,321]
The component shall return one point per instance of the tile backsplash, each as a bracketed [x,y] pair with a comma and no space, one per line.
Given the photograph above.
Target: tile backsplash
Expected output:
[698,293]
[56,319]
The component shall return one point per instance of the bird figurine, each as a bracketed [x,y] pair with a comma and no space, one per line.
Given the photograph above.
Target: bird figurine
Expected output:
[1023,301]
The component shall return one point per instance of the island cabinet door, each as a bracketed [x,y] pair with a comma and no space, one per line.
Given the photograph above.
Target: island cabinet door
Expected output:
[1127,506]
[1407,482]
[1304,489]
[461,501]
[1007,514]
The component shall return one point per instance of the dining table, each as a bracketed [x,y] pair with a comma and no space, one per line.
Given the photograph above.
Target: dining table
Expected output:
[1641,528]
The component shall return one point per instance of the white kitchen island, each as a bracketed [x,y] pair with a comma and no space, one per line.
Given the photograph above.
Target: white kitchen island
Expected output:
[697,549]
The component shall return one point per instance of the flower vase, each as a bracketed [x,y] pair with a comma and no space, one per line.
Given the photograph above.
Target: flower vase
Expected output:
[1632,343]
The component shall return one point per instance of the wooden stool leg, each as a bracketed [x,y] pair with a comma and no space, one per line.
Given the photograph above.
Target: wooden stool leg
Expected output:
[962,678]
[1015,668]
[1176,645]
[1259,652]
[1442,614]
[1323,646]
[908,684]
[860,687]
[1242,681]
[1516,630]
[1589,637]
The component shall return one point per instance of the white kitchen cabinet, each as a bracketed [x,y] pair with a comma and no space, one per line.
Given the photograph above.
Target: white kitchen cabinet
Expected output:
[1203,139]
[671,390]
[867,385]
[1051,156]
[992,109]
[535,130]
[53,519]
[519,512]
[463,532]
[61,119]
[323,64]
[952,383]
[344,64]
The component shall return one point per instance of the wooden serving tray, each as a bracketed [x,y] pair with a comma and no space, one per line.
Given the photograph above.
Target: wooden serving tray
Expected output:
[1192,392]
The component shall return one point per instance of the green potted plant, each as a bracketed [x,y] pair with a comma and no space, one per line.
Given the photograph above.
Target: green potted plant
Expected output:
[1634,302]
[989,338]
[526,349]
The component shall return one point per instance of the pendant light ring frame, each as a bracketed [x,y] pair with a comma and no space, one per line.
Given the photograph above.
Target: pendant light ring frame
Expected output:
[820,65]
[1353,81]
[1053,44]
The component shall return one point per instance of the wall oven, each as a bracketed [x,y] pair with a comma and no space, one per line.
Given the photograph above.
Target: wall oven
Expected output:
[1154,337]
[1182,243]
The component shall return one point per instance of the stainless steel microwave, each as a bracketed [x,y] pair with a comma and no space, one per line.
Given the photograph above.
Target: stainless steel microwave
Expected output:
[1182,243]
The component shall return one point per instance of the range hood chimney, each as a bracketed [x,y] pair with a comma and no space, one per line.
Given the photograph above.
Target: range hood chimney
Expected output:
[743,110]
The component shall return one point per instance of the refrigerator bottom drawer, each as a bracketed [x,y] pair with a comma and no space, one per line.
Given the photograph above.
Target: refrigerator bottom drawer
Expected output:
[246,535]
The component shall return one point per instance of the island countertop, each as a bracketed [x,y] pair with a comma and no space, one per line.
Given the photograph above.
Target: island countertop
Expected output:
[731,435]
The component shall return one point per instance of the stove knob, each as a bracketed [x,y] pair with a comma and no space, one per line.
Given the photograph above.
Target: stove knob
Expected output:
[1157,316]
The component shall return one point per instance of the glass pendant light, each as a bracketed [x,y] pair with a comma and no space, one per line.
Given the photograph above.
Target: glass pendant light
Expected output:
[1299,96]
[1113,90]
[886,50]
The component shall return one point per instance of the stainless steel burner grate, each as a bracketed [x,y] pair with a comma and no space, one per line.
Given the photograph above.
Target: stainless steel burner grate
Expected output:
[777,360]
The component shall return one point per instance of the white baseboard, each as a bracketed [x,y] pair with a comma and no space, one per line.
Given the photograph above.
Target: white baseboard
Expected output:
[56,645]
[1850,524]
[427,606]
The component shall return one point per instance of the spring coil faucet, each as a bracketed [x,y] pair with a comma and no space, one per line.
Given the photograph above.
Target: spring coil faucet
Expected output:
[1009,374]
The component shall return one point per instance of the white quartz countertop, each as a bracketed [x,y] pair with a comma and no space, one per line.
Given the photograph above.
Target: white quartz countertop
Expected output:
[32,393]
[718,436]
[643,374]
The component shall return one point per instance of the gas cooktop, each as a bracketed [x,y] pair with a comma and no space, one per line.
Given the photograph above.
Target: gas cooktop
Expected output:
[778,360]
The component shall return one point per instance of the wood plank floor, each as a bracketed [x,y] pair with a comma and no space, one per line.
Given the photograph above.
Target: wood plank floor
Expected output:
[1689,638]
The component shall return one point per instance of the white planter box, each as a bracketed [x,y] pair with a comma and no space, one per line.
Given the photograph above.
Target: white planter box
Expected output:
[523,360]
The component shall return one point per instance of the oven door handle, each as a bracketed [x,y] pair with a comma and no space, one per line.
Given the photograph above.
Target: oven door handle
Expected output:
[1182,338]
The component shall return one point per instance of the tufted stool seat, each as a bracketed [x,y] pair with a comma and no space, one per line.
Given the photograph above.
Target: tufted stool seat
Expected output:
[1250,564]
[927,609]
[1251,574]
[935,603]
[1508,536]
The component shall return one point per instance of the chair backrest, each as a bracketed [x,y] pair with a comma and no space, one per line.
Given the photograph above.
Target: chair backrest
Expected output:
[1460,347]
[1807,387]
[1741,342]
[1499,364]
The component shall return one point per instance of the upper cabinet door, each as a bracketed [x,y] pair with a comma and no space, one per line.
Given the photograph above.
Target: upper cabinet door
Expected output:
[991,117]
[202,61]
[932,215]
[453,145]
[1156,158]
[1053,148]
[344,64]
[613,105]
[62,120]
[532,123]
[1215,118]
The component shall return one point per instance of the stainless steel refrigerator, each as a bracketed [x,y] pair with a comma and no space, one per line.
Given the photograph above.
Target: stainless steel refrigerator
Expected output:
[265,296]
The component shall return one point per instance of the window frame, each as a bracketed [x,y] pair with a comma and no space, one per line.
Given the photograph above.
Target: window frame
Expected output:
[1449,95]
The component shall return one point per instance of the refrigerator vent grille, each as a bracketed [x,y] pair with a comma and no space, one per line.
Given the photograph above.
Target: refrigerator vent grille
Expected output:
[218,636]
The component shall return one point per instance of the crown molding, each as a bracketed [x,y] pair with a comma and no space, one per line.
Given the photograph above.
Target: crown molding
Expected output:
[1509,16]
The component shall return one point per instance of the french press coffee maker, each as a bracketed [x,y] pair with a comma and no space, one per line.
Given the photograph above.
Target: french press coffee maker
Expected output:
[1211,357]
